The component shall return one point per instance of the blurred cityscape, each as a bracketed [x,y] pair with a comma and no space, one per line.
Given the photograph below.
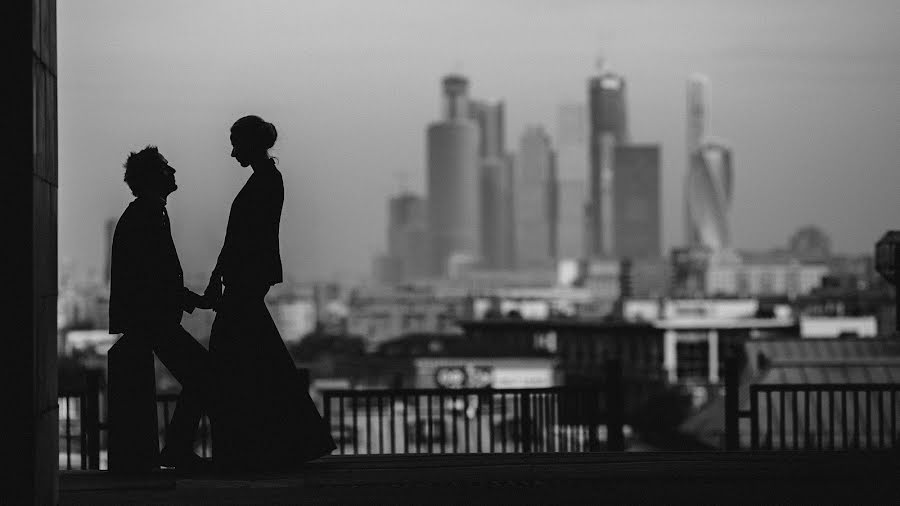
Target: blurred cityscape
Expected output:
[528,266]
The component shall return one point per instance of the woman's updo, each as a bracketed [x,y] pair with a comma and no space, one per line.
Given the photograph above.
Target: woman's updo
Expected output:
[254,133]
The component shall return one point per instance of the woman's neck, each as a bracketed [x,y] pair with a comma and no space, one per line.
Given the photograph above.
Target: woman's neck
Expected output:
[262,164]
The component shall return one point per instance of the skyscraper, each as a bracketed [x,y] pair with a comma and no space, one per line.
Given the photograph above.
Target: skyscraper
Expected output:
[697,106]
[608,127]
[697,126]
[708,197]
[572,174]
[496,190]
[636,183]
[535,200]
[453,178]
[497,251]
[408,235]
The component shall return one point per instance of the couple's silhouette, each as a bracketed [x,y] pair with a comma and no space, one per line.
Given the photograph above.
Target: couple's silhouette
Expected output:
[260,412]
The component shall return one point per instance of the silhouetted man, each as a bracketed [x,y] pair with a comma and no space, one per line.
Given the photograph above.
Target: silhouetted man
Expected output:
[147,297]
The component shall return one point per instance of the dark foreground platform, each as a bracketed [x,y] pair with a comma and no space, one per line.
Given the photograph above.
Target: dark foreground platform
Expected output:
[611,478]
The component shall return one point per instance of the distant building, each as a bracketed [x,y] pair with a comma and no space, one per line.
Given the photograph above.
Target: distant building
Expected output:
[453,361]
[608,127]
[572,175]
[408,235]
[708,197]
[699,333]
[532,303]
[497,213]
[810,244]
[496,186]
[645,277]
[838,326]
[637,189]
[453,178]
[853,272]
[696,132]
[604,279]
[386,269]
[535,200]
[489,115]
[830,301]
[764,277]
[689,266]
[294,316]
[380,314]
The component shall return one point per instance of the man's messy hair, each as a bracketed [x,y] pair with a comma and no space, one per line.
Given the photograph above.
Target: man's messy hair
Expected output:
[140,168]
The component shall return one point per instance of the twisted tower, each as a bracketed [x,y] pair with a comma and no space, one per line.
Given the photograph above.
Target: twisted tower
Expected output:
[708,196]
[708,187]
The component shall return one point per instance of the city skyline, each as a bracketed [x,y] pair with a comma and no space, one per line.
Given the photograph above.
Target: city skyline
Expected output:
[807,101]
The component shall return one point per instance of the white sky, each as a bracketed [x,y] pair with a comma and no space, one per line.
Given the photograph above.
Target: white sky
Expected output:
[805,90]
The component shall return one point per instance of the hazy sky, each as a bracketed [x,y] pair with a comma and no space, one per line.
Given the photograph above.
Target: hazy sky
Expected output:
[806,92]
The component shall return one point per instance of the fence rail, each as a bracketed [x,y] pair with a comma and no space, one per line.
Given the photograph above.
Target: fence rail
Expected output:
[558,419]
[823,417]
[485,420]
[812,416]
[83,428]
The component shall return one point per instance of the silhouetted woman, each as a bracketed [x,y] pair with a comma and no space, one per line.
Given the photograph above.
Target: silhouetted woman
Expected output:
[265,418]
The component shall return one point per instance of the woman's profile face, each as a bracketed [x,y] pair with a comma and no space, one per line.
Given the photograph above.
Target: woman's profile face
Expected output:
[239,152]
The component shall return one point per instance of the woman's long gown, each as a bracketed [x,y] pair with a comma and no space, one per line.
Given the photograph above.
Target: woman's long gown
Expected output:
[264,417]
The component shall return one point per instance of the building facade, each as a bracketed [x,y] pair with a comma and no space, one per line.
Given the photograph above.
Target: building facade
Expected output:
[708,197]
[572,174]
[535,200]
[636,210]
[408,235]
[496,185]
[381,314]
[608,127]
[453,179]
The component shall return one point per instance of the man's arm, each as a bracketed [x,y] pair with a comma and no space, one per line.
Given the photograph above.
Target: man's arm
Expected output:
[191,301]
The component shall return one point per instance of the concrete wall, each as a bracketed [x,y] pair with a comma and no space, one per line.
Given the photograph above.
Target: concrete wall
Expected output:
[28,203]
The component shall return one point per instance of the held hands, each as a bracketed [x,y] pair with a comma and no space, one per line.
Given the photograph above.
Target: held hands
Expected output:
[213,293]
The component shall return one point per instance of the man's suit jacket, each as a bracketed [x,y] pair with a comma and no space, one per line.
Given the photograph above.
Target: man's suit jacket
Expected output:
[146,281]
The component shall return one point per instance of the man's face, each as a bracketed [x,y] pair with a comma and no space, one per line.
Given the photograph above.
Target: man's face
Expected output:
[165,183]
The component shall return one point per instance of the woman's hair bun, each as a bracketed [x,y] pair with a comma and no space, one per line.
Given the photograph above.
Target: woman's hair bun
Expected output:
[272,135]
[255,131]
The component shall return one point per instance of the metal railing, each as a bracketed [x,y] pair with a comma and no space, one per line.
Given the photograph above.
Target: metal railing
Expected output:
[165,407]
[482,420]
[79,425]
[83,429]
[823,417]
[559,419]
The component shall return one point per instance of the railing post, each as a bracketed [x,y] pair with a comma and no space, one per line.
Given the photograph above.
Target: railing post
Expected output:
[754,419]
[732,405]
[615,401]
[326,408]
[526,422]
[90,421]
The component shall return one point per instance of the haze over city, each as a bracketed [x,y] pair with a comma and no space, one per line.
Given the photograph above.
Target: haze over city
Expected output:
[805,92]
